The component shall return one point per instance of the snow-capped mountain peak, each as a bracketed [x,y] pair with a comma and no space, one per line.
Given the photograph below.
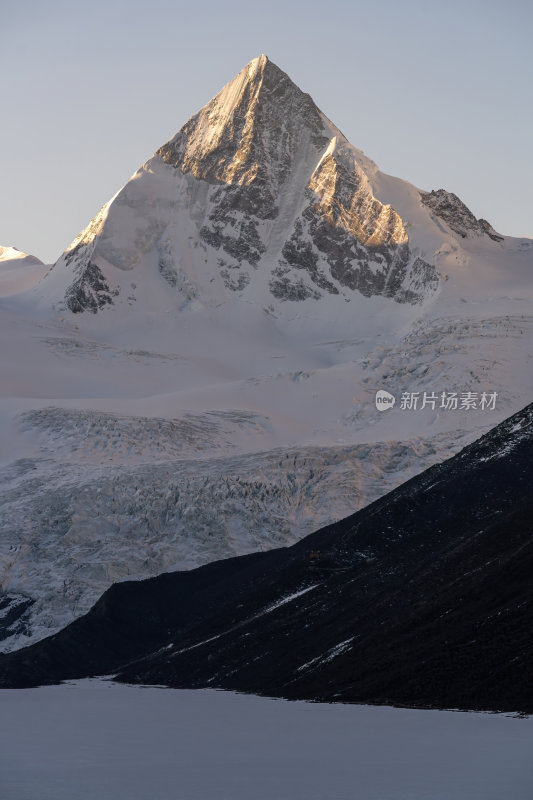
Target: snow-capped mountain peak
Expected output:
[18,271]
[250,133]
[14,254]
[259,195]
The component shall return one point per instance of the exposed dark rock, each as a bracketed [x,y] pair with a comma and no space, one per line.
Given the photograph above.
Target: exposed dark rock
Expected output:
[167,271]
[90,291]
[422,279]
[422,599]
[487,228]
[246,245]
[284,287]
[236,282]
[13,616]
[299,253]
[361,242]
[448,207]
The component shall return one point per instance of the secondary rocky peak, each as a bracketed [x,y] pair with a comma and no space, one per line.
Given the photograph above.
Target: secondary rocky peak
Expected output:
[457,215]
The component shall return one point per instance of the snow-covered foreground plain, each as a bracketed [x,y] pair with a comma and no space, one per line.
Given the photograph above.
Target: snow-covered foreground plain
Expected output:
[93,740]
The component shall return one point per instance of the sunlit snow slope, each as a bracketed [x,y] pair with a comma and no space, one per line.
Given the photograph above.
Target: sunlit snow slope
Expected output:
[18,271]
[195,376]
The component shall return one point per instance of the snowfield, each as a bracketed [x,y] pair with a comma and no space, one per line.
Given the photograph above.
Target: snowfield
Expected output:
[94,740]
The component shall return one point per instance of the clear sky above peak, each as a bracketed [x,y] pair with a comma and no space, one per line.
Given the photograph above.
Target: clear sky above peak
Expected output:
[437,94]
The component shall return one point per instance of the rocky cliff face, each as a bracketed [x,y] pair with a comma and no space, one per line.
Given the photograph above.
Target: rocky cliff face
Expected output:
[457,216]
[258,194]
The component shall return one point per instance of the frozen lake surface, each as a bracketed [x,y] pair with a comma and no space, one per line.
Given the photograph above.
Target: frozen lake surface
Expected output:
[94,740]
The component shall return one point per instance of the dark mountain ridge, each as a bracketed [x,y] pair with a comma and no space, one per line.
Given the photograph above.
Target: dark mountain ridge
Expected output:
[422,599]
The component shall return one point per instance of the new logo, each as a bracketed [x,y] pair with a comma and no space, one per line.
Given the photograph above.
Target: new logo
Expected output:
[384,400]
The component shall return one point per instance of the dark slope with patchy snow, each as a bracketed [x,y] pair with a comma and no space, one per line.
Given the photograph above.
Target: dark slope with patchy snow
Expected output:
[423,598]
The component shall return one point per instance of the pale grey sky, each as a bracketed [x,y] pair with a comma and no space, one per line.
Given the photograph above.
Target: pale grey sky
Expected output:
[436,93]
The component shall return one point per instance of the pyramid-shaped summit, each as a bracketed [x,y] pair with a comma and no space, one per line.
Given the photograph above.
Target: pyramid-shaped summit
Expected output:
[258,196]
[250,135]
